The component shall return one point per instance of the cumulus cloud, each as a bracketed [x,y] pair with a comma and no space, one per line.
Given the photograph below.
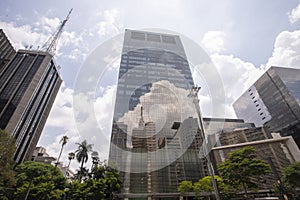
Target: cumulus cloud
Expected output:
[294,15]
[286,50]
[213,41]
[110,23]
[22,36]
[36,34]
[61,122]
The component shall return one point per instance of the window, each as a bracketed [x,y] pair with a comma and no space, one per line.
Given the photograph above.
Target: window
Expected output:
[168,39]
[138,36]
[153,37]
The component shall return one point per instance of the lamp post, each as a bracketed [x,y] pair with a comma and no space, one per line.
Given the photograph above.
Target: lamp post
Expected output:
[194,94]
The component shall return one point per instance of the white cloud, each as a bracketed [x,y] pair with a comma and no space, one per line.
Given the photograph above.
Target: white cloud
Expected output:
[294,16]
[46,25]
[286,50]
[110,23]
[61,122]
[22,36]
[213,41]
[237,76]
[36,35]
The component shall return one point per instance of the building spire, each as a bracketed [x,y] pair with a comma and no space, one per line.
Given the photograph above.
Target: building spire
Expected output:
[141,122]
[50,45]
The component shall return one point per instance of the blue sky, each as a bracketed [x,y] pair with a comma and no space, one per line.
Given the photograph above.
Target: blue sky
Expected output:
[243,39]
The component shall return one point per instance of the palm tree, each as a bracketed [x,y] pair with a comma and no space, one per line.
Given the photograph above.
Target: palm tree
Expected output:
[70,157]
[63,142]
[82,153]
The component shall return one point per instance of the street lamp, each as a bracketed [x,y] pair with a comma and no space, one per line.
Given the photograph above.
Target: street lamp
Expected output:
[194,94]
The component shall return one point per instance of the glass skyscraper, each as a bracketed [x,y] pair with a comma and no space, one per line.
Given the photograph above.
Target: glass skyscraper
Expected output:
[29,83]
[152,115]
[273,101]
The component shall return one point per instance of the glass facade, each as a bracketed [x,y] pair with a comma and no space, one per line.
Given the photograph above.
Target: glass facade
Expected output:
[273,101]
[29,84]
[153,84]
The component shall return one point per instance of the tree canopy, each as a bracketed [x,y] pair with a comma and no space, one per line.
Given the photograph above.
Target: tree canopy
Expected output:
[241,166]
[7,149]
[42,181]
[103,181]
[291,175]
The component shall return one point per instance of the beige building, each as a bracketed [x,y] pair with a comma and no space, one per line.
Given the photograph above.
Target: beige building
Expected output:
[281,150]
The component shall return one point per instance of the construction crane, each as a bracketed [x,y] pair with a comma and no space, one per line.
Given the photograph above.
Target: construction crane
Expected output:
[50,45]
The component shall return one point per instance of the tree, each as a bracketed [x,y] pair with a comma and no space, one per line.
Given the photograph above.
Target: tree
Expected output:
[63,142]
[39,181]
[71,156]
[205,185]
[102,185]
[291,177]
[241,166]
[7,175]
[82,153]
[185,186]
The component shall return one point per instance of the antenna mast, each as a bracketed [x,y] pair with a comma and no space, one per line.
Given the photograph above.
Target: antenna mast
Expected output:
[50,45]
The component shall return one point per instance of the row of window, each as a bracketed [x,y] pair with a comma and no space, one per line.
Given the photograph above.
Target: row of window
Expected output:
[153,37]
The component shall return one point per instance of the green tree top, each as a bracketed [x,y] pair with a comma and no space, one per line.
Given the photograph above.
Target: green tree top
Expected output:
[185,186]
[7,149]
[241,166]
[39,181]
[82,152]
[291,175]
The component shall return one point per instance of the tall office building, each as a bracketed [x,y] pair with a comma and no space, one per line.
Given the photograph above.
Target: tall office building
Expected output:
[273,101]
[29,83]
[7,51]
[154,76]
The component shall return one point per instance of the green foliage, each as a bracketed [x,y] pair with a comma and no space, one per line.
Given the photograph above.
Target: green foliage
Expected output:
[7,175]
[241,166]
[47,182]
[185,186]
[205,185]
[82,153]
[291,175]
[103,182]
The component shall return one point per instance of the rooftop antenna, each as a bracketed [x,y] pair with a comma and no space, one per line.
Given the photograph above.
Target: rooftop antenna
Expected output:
[50,45]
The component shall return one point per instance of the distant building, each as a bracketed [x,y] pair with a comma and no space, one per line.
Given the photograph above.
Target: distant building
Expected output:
[40,155]
[273,101]
[29,83]
[281,150]
[7,51]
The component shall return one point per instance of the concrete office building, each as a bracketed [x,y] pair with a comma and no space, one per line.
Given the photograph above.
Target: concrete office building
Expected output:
[273,101]
[7,51]
[281,150]
[29,83]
